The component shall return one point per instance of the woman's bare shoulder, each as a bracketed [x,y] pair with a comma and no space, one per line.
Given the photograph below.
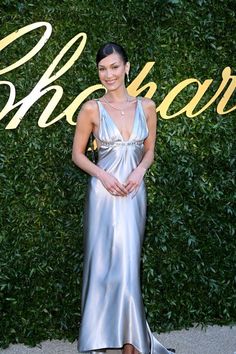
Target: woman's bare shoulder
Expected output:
[89,112]
[90,106]
[148,103]
[149,107]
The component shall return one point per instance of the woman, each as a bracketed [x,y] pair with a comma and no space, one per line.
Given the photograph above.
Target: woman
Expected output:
[125,130]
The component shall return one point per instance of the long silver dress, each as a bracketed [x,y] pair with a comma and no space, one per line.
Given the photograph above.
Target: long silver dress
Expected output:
[112,306]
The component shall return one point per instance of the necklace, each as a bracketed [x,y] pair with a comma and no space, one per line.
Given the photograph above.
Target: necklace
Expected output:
[122,112]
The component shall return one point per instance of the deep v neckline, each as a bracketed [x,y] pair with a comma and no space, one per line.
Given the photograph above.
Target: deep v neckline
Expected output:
[115,125]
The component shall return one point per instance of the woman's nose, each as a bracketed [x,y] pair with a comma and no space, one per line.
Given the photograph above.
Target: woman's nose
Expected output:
[108,74]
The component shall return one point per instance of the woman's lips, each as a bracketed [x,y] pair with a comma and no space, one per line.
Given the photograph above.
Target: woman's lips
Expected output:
[110,82]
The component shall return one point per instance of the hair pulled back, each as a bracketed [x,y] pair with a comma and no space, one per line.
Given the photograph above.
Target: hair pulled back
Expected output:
[110,48]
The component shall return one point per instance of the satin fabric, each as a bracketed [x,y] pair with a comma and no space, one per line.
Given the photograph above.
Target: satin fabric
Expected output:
[112,306]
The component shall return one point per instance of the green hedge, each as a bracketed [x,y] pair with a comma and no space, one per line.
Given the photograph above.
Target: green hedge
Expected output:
[188,263]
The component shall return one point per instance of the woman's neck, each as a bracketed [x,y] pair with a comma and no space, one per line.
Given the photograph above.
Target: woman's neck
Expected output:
[120,95]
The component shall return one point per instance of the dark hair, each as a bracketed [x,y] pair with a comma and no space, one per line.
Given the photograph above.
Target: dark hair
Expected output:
[110,48]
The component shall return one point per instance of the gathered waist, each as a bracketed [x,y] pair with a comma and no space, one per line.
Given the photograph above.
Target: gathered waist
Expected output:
[118,142]
[122,143]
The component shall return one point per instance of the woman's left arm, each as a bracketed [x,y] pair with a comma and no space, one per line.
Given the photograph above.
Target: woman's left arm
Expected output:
[135,178]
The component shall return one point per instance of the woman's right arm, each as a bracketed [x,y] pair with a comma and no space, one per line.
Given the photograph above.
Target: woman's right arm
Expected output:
[84,127]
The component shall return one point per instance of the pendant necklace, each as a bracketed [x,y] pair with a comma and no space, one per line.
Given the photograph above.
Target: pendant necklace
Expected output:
[122,112]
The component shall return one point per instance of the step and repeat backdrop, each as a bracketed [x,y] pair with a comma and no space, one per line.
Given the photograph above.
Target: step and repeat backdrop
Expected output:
[182,55]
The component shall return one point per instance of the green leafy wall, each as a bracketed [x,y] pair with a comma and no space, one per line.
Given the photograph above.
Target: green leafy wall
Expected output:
[188,263]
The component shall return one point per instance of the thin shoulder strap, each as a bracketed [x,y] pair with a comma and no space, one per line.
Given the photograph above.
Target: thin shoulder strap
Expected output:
[139,99]
[99,104]
[99,110]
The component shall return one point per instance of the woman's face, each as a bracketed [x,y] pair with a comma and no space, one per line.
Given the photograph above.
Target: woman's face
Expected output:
[111,71]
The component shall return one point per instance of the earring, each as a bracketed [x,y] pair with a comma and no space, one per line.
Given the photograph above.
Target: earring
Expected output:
[127,77]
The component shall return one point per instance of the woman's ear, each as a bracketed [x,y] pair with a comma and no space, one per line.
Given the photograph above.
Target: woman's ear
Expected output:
[127,68]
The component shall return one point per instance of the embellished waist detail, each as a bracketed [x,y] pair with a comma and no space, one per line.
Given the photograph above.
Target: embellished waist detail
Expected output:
[122,143]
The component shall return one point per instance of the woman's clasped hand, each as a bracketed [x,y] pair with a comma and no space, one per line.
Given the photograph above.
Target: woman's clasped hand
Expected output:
[116,188]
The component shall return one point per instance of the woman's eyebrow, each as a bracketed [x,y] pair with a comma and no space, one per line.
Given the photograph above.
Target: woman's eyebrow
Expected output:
[102,66]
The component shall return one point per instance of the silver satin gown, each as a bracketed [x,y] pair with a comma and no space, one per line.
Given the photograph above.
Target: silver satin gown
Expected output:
[112,306]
